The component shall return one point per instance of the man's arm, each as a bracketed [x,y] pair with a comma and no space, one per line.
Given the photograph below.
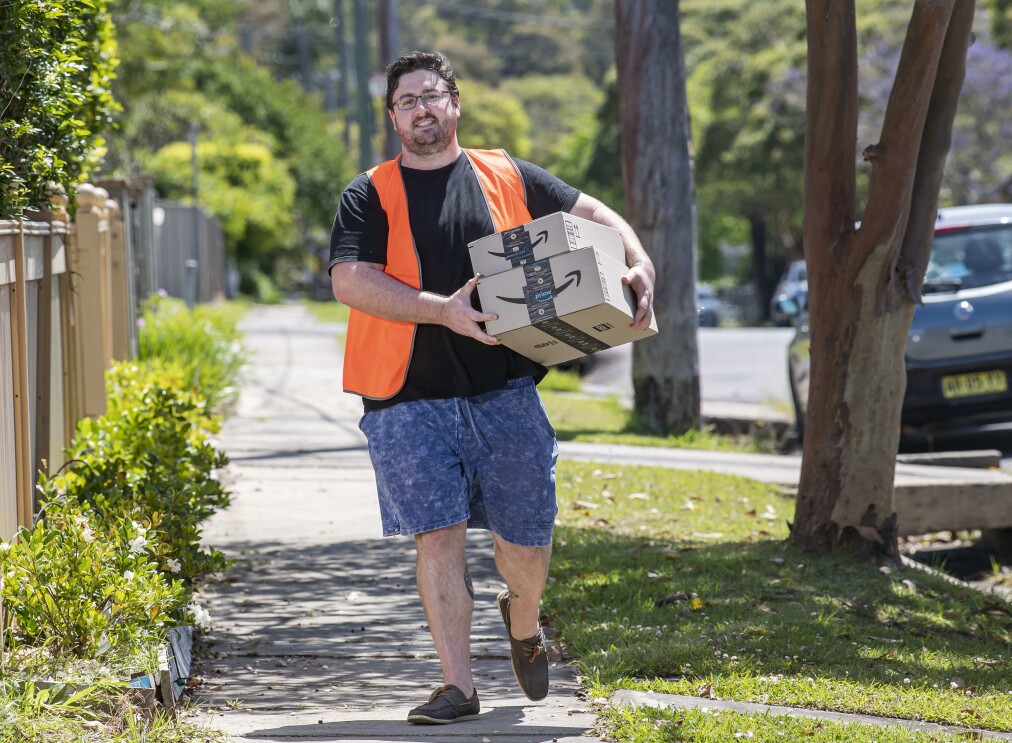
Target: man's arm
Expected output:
[641,269]
[367,288]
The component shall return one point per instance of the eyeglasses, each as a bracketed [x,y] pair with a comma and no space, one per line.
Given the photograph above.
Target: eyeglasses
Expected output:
[408,102]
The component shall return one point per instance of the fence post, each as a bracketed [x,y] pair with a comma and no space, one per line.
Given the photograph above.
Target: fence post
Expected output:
[89,264]
[52,380]
[9,418]
[20,386]
[124,317]
[34,239]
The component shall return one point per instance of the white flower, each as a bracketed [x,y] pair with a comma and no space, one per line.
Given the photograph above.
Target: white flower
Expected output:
[173,565]
[128,574]
[201,617]
[141,531]
[86,533]
[137,545]
[5,546]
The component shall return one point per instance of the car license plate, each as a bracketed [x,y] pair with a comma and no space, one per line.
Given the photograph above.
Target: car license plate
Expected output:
[971,385]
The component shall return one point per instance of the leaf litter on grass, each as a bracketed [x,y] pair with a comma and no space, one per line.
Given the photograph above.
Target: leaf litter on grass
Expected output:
[650,595]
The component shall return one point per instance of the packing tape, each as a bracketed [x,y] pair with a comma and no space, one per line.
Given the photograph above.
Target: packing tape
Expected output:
[540,292]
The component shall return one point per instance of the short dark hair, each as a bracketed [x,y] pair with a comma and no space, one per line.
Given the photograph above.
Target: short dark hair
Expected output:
[435,61]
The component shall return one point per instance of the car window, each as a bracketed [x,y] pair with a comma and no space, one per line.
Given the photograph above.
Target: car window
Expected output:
[970,258]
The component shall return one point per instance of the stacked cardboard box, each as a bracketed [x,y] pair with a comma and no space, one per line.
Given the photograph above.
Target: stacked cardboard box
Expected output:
[556,284]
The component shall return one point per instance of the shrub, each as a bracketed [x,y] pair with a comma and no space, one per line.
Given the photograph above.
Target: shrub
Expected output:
[148,459]
[202,343]
[78,590]
[56,69]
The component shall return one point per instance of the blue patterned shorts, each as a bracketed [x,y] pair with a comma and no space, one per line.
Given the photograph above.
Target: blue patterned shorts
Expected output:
[487,459]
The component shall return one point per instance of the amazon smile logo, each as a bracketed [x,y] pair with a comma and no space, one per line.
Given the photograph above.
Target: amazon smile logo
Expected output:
[518,240]
[543,295]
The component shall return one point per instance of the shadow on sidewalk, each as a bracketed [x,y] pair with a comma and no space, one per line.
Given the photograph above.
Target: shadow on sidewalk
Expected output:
[505,720]
[339,625]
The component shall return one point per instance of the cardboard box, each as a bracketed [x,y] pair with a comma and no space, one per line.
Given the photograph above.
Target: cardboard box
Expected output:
[542,238]
[563,307]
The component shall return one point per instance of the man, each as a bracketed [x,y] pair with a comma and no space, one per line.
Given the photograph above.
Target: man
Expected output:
[457,433]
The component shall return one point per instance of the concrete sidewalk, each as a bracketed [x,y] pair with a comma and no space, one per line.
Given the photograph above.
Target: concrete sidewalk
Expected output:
[319,633]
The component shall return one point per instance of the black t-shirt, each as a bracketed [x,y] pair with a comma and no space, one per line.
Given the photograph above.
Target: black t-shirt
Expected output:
[447,210]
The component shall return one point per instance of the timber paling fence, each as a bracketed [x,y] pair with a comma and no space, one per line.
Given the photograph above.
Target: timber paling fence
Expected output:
[69,294]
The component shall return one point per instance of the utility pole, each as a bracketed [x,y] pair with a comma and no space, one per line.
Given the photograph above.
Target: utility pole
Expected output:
[390,44]
[193,262]
[302,48]
[364,99]
[344,73]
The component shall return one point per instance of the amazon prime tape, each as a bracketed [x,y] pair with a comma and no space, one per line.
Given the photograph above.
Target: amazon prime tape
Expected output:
[542,238]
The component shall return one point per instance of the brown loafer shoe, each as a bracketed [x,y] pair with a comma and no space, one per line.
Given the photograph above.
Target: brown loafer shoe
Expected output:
[530,662]
[446,704]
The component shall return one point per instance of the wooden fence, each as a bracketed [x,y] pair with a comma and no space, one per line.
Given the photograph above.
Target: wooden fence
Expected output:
[69,294]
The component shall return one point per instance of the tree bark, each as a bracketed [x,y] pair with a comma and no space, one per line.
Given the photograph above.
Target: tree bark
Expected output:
[863,283]
[657,175]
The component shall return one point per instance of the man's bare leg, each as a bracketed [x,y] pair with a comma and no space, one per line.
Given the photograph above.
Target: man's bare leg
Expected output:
[444,586]
[525,570]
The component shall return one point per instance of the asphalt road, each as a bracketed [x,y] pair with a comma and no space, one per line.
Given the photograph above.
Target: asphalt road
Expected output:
[735,365]
[749,365]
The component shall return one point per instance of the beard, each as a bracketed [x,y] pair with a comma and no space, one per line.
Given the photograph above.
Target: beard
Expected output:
[428,141]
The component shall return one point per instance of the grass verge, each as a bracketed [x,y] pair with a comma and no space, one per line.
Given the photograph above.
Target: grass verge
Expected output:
[604,420]
[31,715]
[661,726]
[683,583]
[327,311]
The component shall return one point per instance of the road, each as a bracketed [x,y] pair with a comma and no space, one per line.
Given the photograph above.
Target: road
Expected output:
[735,365]
[749,365]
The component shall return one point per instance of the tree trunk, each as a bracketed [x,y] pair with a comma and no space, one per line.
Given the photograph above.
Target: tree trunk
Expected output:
[760,269]
[863,283]
[657,175]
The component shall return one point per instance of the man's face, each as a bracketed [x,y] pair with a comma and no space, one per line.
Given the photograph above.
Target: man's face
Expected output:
[425,129]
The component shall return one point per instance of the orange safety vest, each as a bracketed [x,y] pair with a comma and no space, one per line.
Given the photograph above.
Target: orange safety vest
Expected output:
[378,351]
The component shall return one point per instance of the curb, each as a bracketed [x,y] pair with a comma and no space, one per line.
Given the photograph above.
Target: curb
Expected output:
[979,459]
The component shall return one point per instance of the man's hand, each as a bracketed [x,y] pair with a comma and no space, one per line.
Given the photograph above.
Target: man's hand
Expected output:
[641,269]
[641,279]
[459,316]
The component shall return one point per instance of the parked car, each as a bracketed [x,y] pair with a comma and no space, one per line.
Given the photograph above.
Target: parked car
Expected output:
[709,308]
[959,349]
[792,285]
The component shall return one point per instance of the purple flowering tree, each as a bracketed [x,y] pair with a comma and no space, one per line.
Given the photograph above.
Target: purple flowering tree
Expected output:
[977,170]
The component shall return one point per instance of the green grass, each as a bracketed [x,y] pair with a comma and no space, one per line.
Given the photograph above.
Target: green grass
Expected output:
[559,380]
[604,420]
[232,311]
[329,311]
[99,714]
[660,726]
[760,621]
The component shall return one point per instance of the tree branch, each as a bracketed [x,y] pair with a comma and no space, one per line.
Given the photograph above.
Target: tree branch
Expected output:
[892,179]
[935,145]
